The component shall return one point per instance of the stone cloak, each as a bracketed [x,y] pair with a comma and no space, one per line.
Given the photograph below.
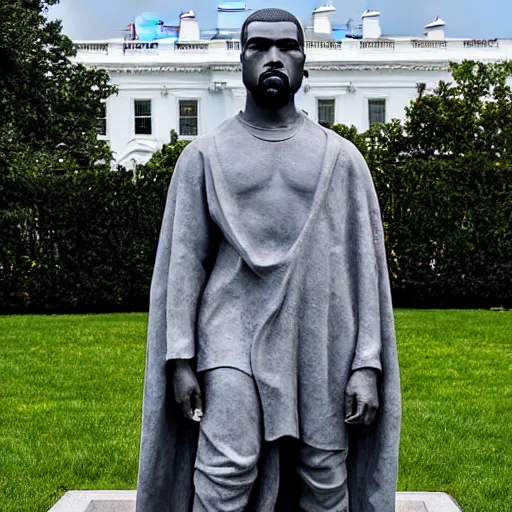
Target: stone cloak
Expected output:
[339,252]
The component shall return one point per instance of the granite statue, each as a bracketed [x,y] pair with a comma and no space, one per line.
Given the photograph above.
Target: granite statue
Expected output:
[272,380]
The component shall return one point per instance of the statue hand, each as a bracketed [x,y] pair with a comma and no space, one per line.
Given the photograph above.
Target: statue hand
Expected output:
[361,397]
[186,390]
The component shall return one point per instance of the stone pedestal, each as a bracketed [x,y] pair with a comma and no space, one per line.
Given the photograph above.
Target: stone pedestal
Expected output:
[124,501]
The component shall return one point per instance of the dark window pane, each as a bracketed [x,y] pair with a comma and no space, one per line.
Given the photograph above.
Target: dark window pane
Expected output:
[188,108]
[377,111]
[188,118]
[143,117]
[143,125]
[102,120]
[143,107]
[102,126]
[326,110]
[188,126]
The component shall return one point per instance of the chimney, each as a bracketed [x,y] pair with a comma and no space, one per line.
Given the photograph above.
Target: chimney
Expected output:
[322,27]
[435,30]
[189,27]
[371,24]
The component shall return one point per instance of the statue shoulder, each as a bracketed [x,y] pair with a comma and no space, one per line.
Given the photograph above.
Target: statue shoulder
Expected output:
[204,142]
[194,154]
[348,148]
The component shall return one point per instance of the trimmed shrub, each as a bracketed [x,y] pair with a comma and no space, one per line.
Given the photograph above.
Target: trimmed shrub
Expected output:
[87,239]
[81,240]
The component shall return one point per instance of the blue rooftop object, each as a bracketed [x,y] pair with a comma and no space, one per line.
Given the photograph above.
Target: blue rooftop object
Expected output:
[232,6]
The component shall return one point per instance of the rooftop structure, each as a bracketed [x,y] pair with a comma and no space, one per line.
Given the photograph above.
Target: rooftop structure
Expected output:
[371,24]
[174,76]
[435,29]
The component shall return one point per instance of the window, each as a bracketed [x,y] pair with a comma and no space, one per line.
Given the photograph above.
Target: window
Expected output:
[326,112]
[377,111]
[188,117]
[143,117]
[102,120]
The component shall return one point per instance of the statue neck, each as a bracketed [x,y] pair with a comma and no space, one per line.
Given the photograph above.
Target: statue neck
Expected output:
[261,117]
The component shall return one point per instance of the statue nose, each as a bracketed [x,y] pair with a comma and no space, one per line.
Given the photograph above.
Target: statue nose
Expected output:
[274,59]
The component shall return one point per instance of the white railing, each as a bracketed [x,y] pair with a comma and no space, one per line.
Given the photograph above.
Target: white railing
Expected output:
[194,47]
[233,45]
[91,47]
[313,46]
[324,45]
[138,47]
[374,44]
[429,44]
[481,43]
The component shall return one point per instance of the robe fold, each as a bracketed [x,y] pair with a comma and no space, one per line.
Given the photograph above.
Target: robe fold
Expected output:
[312,311]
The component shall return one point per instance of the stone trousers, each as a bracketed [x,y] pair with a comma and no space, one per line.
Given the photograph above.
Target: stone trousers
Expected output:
[230,441]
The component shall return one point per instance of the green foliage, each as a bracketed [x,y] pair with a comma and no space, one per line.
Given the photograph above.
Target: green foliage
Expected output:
[81,239]
[444,180]
[167,157]
[443,177]
[48,105]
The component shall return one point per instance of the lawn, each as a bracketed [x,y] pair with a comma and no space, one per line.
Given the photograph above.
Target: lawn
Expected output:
[71,388]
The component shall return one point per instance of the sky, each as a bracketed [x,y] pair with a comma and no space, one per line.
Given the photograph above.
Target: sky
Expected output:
[102,19]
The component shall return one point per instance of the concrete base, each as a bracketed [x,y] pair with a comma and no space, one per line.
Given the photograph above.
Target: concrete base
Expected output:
[124,501]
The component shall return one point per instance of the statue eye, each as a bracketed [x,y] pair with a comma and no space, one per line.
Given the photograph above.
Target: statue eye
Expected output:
[258,44]
[288,46]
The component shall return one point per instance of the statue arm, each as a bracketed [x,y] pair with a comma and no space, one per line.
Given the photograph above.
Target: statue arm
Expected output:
[194,243]
[361,395]
[192,239]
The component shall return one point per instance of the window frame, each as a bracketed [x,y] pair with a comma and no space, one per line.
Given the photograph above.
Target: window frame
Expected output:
[326,98]
[101,135]
[135,117]
[370,99]
[179,117]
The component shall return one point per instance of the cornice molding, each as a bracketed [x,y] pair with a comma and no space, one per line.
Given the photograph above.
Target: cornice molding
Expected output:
[427,66]
[139,69]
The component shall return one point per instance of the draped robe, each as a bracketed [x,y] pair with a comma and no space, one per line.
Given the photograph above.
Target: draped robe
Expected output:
[318,309]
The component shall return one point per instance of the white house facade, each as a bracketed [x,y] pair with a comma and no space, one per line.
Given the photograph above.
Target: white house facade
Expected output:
[192,86]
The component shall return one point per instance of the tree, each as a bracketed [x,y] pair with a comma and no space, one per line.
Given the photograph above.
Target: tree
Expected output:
[444,179]
[48,105]
[166,158]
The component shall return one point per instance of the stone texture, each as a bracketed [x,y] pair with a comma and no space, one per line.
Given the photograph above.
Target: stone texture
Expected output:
[111,506]
[426,502]
[96,501]
[124,501]
[411,506]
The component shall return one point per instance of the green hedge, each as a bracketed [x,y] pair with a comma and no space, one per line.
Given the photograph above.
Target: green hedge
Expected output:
[80,240]
[448,225]
[88,239]
[443,177]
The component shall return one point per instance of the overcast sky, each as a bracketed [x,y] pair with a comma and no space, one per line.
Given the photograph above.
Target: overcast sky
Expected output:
[101,19]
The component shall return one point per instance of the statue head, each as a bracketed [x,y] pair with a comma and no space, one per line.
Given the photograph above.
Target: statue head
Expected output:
[272,56]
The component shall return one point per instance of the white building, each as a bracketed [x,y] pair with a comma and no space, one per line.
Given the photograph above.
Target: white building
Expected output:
[192,86]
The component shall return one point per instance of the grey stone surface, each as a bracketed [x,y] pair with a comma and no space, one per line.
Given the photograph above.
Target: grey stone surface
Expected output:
[411,506]
[271,262]
[124,501]
[432,502]
[111,506]
[96,501]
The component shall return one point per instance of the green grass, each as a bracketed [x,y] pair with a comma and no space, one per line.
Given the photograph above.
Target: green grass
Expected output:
[456,371]
[70,404]
[71,389]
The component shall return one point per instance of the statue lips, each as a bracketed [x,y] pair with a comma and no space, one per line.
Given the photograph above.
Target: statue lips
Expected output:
[273,82]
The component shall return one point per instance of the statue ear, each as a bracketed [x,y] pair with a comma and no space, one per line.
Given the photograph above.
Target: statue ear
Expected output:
[306,73]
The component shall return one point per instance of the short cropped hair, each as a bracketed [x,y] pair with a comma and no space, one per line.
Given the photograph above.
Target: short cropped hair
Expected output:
[272,14]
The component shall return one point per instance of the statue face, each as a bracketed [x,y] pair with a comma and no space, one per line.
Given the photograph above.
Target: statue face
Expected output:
[272,62]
